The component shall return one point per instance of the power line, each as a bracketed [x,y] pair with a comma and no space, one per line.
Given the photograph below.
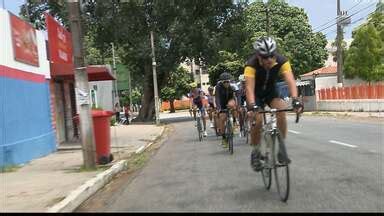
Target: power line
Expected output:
[347,17]
[357,20]
[336,17]
[355,5]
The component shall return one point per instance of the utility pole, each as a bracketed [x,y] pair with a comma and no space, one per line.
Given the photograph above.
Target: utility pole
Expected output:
[82,87]
[130,88]
[200,72]
[155,81]
[116,94]
[339,47]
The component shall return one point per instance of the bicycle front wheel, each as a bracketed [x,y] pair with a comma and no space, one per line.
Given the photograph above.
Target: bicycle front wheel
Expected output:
[230,144]
[199,129]
[230,136]
[281,171]
[266,161]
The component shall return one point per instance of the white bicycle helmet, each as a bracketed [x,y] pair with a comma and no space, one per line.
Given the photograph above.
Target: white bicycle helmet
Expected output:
[265,46]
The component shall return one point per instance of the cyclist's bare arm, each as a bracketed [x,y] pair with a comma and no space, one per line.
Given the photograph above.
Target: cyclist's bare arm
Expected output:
[250,89]
[290,80]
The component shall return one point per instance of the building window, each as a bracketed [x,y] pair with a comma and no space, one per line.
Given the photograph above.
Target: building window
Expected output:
[197,72]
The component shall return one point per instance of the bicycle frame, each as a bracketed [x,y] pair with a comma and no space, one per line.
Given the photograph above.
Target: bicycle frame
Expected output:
[270,153]
[199,124]
[244,122]
[229,132]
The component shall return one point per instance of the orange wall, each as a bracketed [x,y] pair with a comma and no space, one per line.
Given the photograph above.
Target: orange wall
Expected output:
[352,92]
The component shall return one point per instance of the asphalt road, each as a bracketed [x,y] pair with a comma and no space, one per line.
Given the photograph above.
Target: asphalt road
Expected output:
[337,166]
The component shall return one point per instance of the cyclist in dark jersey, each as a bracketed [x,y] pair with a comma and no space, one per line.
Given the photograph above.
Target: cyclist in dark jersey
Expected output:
[225,98]
[261,72]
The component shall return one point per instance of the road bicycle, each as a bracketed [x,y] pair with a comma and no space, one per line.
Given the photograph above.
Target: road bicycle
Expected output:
[274,156]
[199,124]
[244,127]
[228,131]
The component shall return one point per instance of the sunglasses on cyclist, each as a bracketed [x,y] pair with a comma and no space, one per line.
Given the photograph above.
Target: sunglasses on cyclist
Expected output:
[267,56]
[226,81]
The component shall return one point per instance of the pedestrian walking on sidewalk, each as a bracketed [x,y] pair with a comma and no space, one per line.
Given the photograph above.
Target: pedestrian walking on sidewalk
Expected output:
[117,112]
[127,110]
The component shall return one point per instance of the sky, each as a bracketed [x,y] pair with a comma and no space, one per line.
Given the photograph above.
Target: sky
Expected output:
[320,12]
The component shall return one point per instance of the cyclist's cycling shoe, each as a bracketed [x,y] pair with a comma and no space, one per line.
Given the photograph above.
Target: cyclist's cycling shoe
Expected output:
[283,160]
[205,134]
[255,160]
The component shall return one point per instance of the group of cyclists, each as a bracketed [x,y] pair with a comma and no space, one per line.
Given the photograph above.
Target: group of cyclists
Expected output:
[255,89]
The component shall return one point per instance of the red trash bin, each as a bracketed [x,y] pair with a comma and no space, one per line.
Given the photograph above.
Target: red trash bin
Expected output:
[101,131]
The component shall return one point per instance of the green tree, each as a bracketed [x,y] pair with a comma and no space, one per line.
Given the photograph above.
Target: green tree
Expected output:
[343,47]
[289,25]
[228,62]
[177,86]
[136,97]
[182,29]
[33,11]
[365,57]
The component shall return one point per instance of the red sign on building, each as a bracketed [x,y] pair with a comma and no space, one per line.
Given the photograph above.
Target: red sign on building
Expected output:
[60,47]
[24,41]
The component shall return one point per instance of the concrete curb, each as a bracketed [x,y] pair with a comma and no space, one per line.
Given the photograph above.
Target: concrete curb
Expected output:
[82,193]
[143,148]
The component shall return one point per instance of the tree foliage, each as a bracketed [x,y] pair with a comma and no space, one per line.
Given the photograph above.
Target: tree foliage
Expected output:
[289,25]
[365,57]
[176,87]
[33,11]
[228,62]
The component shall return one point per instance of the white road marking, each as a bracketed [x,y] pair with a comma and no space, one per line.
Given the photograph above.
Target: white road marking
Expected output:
[341,143]
[295,132]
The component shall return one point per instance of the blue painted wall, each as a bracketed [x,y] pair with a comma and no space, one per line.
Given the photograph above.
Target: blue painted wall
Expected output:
[25,121]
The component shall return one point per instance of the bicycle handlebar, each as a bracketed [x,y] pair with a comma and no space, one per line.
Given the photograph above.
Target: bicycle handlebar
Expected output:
[276,111]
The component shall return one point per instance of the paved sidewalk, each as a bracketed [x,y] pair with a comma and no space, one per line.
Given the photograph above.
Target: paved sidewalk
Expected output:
[353,114]
[44,182]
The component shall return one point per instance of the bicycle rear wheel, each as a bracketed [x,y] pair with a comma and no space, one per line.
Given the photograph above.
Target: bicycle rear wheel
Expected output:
[266,161]
[281,171]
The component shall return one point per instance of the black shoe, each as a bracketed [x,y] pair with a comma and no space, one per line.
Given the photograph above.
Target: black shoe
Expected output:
[282,159]
[255,160]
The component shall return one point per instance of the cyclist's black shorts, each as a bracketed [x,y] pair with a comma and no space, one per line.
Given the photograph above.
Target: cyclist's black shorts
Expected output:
[211,105]
[266,97]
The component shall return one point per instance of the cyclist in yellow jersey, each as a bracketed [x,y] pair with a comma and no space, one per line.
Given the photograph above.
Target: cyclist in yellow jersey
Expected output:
[261,72]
